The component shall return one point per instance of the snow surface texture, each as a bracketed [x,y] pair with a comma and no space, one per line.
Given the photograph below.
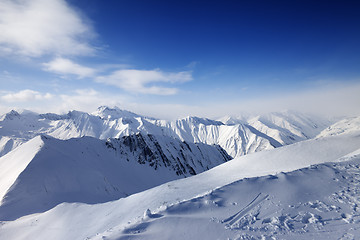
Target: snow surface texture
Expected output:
[282,206]
[238,137]
[46,171]
[253,196]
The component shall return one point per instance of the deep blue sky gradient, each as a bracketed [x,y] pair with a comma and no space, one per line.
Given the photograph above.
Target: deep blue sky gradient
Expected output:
[235,49]
[243,44]
[251,37]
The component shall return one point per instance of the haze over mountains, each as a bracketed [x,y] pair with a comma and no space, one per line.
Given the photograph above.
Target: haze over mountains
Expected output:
[94,176]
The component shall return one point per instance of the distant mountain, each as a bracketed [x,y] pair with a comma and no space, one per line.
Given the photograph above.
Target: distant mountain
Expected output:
[285,127]
[345,126]
[45,171]
[238,137]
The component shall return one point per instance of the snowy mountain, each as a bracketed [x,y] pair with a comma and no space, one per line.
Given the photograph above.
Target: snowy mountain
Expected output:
[25,126]
[344,126]
[50,171]
[285,127]
[258,196]
[236,139]
[240,138]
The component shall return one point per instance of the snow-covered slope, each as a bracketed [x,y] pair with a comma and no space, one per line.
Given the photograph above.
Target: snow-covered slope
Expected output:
[8,143]
[344,126]
[47,171]
[15,162]
[238,138]
[318,202]
[203,207]
[289,127]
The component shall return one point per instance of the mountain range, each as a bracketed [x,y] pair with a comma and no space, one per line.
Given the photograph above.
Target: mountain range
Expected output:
[238,136]
[113,174]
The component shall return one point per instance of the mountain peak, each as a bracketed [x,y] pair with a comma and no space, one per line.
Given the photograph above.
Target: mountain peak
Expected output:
[106,112]
[12,115]
[106,108]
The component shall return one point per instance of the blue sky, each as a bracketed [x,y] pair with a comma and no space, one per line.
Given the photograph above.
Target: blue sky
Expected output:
[175,58]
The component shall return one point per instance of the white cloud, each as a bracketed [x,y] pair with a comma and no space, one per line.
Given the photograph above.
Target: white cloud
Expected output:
[86,100]
[142,81]
[25,95]
[66,66]
[81,99]
[38,27]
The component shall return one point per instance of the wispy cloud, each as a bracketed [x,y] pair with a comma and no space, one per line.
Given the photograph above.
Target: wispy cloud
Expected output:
[66,66]
[339,100]
[25,95]
[87,100]
[143,81]
[131,80]
[39,27]
[52,29]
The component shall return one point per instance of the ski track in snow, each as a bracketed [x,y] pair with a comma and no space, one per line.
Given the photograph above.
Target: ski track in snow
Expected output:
[276,215]
[235,218]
